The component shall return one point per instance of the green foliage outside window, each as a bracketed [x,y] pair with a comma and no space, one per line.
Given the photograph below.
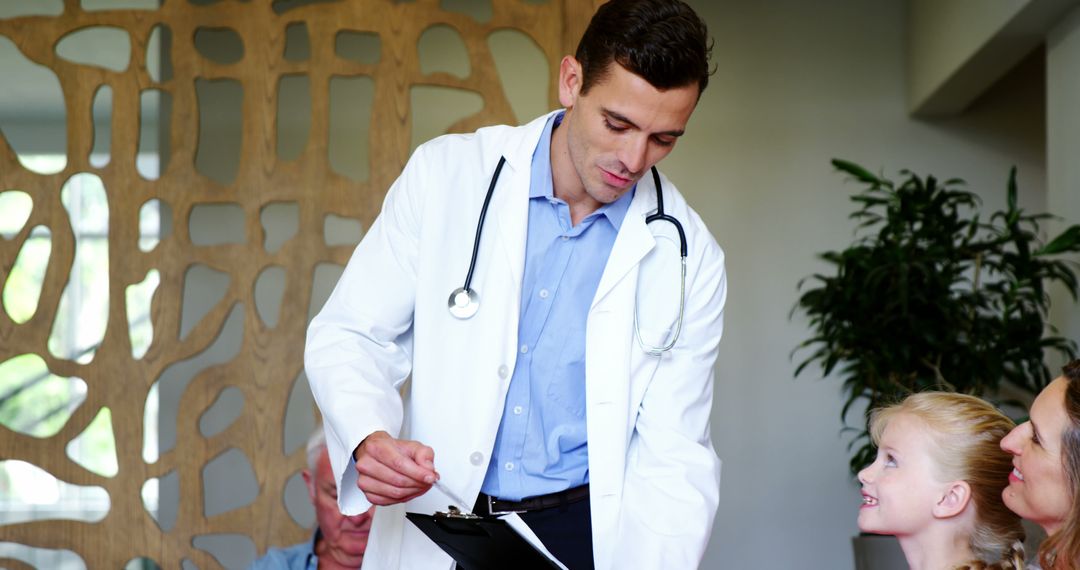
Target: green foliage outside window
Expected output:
[33,400]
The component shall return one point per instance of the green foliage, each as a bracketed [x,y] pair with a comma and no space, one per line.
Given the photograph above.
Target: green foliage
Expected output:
[931,297]
[32,400]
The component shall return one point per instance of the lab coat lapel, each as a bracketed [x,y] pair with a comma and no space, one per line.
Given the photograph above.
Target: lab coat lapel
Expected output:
[633,241]
[513,219]
[512,205]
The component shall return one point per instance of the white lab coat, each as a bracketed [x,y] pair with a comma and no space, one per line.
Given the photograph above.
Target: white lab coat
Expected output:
[654,476]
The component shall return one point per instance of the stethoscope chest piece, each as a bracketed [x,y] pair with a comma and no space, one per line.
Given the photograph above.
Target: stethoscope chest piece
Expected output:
[463,303]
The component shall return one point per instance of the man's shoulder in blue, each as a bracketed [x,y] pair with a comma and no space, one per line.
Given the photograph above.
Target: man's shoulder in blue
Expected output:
[296,557]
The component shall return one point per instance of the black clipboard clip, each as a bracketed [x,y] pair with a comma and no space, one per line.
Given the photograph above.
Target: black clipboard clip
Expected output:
[453,512]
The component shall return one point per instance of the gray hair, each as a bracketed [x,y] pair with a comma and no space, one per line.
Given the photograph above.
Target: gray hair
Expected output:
[315,446]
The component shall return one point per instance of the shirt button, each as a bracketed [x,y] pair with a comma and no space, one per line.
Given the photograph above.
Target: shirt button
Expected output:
[544,293]
[476,458]
[564,238]
[503,371]
[518,410]
[524,348]
[509,466]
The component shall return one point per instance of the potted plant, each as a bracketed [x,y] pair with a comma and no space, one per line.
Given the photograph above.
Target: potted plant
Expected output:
[932,296]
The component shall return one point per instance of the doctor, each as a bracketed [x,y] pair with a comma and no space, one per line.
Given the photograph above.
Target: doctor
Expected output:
[544,401]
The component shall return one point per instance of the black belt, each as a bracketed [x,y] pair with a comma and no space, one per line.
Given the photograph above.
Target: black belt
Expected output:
[486,505]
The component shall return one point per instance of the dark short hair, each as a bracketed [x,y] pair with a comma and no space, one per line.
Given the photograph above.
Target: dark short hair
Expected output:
[663,41]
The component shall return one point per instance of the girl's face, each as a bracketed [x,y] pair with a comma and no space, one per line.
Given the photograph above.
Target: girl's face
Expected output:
[901,487]
[1037,487]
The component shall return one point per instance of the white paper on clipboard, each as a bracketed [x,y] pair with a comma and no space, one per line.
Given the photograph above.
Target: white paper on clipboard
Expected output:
[523,529]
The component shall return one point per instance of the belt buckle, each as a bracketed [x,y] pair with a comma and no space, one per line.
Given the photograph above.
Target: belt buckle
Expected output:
[493,512]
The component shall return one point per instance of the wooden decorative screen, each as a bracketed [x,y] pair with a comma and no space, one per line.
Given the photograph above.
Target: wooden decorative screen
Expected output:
[169,81]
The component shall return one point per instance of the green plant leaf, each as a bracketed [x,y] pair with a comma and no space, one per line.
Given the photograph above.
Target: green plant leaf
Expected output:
[931,294]
[1068,240]
[1012,189]
[856,171]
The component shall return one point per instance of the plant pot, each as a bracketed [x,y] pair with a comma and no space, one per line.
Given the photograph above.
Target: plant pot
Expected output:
[878,552]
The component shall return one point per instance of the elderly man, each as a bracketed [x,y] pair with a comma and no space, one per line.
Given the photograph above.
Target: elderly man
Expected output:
[339,541]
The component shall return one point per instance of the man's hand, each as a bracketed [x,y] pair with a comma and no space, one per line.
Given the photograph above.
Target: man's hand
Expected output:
[392,471]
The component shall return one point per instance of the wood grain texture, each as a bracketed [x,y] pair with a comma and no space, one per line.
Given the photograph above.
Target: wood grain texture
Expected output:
[269,358]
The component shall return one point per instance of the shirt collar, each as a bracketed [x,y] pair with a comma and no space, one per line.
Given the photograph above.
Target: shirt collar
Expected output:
[540,185]
[312,557]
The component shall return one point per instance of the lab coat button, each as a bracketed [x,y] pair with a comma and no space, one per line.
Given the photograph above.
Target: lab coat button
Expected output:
[504,371]
[476,458]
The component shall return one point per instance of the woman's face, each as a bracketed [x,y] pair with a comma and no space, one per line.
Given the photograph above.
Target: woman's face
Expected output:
[1037,489]
[900,487]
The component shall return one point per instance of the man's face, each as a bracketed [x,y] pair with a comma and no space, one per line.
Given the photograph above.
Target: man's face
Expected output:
[345,538]
[617,130]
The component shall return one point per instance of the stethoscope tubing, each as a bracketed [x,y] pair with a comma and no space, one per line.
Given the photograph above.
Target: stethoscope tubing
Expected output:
[464,302]
[480,223]
[660,215]
[660,350]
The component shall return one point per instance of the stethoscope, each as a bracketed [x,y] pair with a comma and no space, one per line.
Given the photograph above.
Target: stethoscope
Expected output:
[464,302]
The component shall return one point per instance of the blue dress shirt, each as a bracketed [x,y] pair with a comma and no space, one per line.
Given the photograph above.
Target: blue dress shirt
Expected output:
[296,557]
[542,444]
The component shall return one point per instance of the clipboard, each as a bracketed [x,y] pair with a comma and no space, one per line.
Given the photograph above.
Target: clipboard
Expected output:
[478,543]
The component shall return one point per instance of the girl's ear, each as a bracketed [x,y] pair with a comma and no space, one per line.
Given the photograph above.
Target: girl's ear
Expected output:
[953,501]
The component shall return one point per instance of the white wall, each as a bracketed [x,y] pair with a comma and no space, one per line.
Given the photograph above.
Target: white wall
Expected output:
[1063,134]
[798,83]
[943,36]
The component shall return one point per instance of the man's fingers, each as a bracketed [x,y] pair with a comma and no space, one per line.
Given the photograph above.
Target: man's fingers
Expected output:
[395,455]
[381,493]
[379,500]
[392,471]
[410,458]
[369,469]
[415,460]
[424,456]
[384,501]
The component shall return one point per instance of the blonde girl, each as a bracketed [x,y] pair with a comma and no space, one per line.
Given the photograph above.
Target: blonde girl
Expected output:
[937,480]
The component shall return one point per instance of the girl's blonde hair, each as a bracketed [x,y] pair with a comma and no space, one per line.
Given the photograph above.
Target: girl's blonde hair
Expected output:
[967,433]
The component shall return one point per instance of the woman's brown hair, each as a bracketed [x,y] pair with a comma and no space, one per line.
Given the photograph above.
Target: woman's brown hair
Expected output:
[1061,551]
